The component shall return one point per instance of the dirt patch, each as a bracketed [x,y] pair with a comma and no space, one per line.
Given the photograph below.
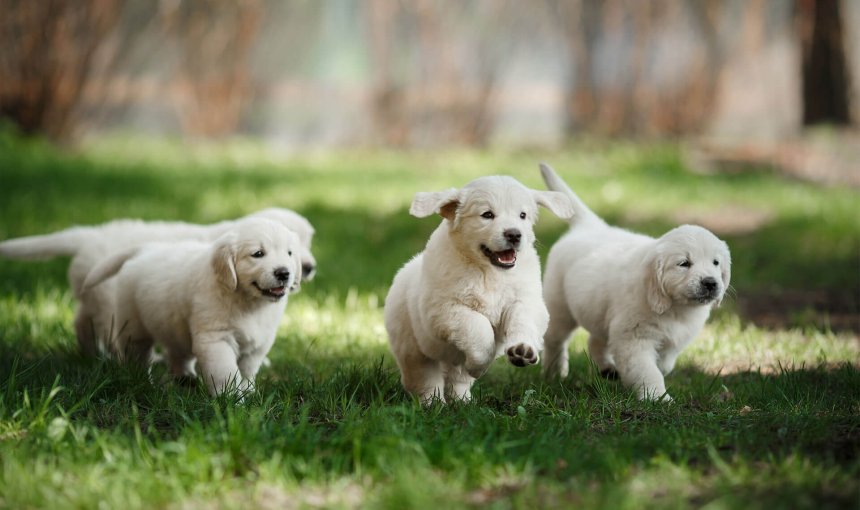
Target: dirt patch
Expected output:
[824,157]
[729,220]
[833,310]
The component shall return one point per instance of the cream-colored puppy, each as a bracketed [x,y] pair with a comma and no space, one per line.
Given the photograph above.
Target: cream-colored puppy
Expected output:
[218,302]
[475,291]
[89,245]
[641,299]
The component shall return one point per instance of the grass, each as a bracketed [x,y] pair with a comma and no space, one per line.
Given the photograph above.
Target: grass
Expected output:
[764,418]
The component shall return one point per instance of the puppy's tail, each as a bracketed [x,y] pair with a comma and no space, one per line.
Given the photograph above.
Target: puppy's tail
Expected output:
[63,243]
[108,267]
[555,183]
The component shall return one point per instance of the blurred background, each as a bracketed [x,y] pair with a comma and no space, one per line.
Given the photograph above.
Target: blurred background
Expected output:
[431,72]
[738,115]
[658,111]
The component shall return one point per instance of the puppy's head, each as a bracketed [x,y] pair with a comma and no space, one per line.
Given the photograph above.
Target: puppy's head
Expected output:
[491,218]
[260,259]
[302,227]
[690,266]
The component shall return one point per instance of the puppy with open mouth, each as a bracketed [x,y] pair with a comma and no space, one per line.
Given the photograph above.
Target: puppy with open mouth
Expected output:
[642,299]
[474,293]
[218,304]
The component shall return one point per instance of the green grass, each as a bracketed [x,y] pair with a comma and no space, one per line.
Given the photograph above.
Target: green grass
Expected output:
[763,418]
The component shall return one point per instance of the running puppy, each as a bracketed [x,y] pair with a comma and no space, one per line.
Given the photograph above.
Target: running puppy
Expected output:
[89,245]
[475,291]
[219,303]
[641,299]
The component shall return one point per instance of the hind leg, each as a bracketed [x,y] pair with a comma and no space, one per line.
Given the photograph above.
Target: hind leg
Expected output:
[96,322]
[423,378]
[133,344]
[556,339]
[601,357]
[85,333]
[420,375]
[458,383]
[181,362]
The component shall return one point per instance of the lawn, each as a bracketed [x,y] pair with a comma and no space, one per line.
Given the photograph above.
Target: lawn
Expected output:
[767,410]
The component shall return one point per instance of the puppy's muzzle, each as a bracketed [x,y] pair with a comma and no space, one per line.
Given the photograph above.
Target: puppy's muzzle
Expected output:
[513,236]
[709,289]
[505,259]
[282,274]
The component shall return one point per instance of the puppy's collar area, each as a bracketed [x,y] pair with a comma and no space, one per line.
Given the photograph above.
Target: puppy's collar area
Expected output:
[504,259]
[275,293]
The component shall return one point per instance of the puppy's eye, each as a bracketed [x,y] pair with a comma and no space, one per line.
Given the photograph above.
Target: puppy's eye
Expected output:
[716,262]
[290,253]
[258,254]
[488,215]
[522,215]
[685,263]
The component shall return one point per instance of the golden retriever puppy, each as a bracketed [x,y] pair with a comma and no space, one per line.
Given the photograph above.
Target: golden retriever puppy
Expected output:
[218,303]
[89,245]
[475,291]
[641,299]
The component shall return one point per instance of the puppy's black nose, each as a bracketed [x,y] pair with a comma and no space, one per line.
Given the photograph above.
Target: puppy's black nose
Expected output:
[709,283]
[282,273]
[513,235]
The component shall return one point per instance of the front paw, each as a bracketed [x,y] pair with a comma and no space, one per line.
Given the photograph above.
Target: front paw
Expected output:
[521,355]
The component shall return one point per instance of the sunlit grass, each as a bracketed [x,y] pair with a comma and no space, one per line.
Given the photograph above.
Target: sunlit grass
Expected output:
[763,418]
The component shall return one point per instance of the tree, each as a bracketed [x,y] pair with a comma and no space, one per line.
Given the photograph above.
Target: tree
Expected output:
[48,58]
[825,76]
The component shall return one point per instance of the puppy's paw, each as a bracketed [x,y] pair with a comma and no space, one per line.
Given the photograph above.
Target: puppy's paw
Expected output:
[521,355]
[610,374]
[654,395]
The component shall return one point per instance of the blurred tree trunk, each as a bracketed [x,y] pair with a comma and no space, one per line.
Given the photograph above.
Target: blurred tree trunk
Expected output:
[213,82]
[613,47]
[47,60]
[387,97]
[582,17]
[449,96]
[825,76]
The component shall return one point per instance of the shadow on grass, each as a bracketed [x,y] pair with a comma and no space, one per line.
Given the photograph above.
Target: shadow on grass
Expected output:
[319,409]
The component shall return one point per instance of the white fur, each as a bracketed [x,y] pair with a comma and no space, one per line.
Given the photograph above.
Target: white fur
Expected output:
[640,307]
[450,312]
[217,302]
[89,245]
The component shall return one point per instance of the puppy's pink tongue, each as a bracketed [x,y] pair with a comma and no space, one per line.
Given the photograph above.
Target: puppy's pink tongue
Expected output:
[507,256]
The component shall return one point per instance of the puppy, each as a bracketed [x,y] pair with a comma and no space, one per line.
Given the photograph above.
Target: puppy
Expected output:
[89,245]
[641,299]
[475,291]
[219,303]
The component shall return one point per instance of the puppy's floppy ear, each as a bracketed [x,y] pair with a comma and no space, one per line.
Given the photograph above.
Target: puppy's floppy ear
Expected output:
[658,300]
[297,262]
[557,202]
[725,272]
[443,202]
[224,261]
